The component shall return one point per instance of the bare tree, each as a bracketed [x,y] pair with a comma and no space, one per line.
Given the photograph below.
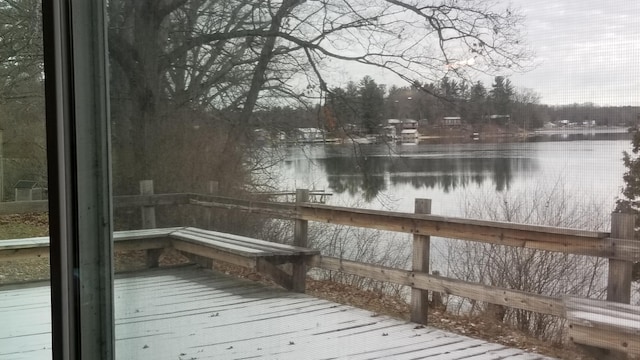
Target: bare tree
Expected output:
[227,57]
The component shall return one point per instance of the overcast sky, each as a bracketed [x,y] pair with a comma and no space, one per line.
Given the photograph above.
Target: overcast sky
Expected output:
[585,50]
[588,50]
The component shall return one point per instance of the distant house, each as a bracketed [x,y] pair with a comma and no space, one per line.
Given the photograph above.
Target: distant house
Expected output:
[396,124]
[390,132]
[500,119]
[410,124]
[264,135]
[27,190]
[310,135]
[451,121]
[409,135]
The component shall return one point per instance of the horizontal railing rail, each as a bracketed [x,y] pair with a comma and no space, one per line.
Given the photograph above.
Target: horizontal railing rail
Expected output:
[564,240]
[571,241]
[122,201]
[495,295]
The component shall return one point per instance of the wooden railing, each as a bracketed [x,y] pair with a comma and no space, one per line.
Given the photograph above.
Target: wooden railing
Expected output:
[618,246]
[581,242]
[620,250]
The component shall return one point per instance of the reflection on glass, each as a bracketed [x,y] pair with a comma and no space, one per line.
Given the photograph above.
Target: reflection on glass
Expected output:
[181,97]
[24,221]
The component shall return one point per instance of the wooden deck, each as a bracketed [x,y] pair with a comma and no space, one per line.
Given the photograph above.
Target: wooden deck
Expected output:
[188,313]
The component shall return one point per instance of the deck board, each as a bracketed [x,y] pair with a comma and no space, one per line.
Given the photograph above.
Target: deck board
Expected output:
[188,313]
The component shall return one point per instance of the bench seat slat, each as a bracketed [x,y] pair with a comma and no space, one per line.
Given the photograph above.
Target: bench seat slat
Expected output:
[222,242]
[607,313]
[232,248]
[605,324]
[142,234]
[611,322]
[258,243]
[265,246]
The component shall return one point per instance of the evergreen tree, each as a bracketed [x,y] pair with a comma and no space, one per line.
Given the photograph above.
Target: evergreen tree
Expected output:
[344,104]
[371,104]
[450,89]
[631,191]
[477,103]
[630,202]
[502,95]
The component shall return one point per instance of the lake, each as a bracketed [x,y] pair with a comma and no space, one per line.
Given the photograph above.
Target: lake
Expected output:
[389,176]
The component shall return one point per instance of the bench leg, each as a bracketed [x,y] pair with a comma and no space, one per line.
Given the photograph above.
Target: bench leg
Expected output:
[299,276]
[153,257]
[278,275]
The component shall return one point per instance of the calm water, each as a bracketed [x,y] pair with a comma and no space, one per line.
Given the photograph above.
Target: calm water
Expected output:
[392,176]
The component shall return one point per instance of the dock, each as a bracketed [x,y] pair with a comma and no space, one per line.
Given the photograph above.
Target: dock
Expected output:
[189,313]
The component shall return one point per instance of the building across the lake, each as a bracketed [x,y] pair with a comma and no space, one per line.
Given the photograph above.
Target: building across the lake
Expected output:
[500,119]
[409,135]
[403,130]
[310,135]
[451,121]
[410,124]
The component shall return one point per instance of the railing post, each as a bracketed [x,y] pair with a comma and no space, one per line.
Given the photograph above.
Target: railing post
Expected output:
[420,263]
[148,212]
[300,236]
[619,282]
[149,222]
[212,189]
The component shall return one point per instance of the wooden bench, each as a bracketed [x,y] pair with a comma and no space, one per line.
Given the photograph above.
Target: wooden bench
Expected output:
[197,244]
[264,256]
[150,239]
[605,325]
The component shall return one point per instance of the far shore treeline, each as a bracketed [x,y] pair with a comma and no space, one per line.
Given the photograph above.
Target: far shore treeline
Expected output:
[368,105]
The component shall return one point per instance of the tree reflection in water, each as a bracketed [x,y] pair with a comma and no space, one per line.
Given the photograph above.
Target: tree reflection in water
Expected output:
[367,174]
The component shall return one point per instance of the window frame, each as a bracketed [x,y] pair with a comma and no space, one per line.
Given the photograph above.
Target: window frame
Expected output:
[78,164]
